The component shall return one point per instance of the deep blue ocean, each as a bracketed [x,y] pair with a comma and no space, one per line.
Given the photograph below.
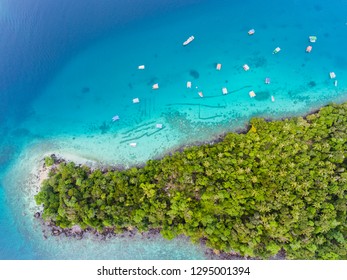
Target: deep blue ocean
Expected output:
[68,67]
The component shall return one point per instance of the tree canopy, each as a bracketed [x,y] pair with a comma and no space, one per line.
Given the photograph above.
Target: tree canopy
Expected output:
[281,185]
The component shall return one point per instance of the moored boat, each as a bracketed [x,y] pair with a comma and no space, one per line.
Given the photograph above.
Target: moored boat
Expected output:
[251,31]
[245,67]
[332,75]
[189,40]
[115,118]
[312,39]
[277,50]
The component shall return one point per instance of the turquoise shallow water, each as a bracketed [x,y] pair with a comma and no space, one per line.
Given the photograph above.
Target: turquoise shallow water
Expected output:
[79,80]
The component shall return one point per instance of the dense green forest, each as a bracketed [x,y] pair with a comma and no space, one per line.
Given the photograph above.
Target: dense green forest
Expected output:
[280,185]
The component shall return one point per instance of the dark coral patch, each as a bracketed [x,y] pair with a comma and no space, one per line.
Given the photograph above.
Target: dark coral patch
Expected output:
[312,84]
[262,95]
[152,81]
[195,74]
[85,89]
[259,62]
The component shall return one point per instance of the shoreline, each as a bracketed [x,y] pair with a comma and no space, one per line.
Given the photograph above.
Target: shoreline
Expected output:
[49,229]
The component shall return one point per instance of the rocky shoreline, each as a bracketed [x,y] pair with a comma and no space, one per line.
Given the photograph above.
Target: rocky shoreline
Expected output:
[50,229]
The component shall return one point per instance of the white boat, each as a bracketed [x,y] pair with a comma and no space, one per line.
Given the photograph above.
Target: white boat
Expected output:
[155,86]
[141,67]
[186,42]
[332,75]
[133,145]
[115,118]
[245,67]
[201,94]
[272,98]
[277,50]
[251,32]
[224,90]
[136,100]
[252,94]
[159,125]
[335,83]
[312,39]
[218,66]
[189,84]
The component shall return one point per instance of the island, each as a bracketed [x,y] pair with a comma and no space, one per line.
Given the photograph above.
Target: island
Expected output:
[280,185]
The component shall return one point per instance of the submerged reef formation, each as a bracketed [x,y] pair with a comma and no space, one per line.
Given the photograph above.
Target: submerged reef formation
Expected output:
[282,186]
[195,74]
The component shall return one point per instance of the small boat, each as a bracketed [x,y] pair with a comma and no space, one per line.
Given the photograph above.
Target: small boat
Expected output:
[312,39]
[245,67]
[136,100]
[141,67]
[219,66]
[309,49]
[200,94]
[133,145]
[277,50]
[272,98]
[267,81]
[332,75]
[224,90]
[115,118]
[189,40]
[159,125]
[251,31]
[155,86]
[335,83]
[189,84]
[252,94]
